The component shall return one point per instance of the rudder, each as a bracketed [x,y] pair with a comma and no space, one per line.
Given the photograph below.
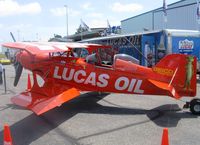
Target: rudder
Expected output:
[180,72]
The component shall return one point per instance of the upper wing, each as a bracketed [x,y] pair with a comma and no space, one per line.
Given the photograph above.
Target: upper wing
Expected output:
[43,47]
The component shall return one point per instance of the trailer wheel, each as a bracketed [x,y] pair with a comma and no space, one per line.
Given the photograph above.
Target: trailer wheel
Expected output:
[195,106]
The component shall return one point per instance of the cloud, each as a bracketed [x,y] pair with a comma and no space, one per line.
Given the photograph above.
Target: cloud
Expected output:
[96,23]
[58,11]
[1,40]
[11,7]
[61,11]
[95,15]
[132,7]
[1,26]
[42,33]
[17,26]
[86,6]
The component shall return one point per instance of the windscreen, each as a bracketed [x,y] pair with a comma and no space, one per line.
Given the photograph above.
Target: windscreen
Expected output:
[126,58]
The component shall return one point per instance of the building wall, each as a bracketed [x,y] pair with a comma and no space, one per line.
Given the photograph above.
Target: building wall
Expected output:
[137,24]
[180,15]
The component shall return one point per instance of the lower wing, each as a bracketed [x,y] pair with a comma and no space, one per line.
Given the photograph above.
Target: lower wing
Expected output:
[39,103]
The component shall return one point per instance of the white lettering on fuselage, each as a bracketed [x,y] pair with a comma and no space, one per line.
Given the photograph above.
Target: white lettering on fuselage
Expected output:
[81,77]
[78,74]
[123,83]
[55,74]
[91,79]
[99,80]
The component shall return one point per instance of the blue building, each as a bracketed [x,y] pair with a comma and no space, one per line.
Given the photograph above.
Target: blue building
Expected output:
[180,15]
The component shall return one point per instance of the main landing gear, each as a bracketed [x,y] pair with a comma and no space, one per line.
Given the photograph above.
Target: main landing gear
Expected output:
[194,106]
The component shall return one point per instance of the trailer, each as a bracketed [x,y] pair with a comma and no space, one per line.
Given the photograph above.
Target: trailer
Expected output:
[150,47]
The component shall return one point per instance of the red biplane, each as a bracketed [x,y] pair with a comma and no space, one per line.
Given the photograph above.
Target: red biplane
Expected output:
[68,68]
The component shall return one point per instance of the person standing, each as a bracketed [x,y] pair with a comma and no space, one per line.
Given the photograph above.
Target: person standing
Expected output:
[1,74]
[147,54]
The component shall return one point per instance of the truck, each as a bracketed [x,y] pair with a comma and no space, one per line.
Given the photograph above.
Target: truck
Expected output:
[149,47]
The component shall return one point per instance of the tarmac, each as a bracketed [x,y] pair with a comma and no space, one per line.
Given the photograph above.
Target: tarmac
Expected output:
[98,119]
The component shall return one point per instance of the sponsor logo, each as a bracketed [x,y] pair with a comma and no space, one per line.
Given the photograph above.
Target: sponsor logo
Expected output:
[186,45]
[163,71]
[98,80]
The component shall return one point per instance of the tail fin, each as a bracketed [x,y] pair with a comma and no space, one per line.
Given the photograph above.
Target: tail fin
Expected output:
[180,72]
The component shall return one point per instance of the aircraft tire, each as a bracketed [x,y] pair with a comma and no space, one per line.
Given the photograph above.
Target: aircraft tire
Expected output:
[195,106]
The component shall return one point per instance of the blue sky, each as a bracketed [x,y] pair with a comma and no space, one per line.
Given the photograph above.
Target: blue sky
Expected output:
[41,19]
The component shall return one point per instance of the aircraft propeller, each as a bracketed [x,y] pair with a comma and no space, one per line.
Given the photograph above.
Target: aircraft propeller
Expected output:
[18,70]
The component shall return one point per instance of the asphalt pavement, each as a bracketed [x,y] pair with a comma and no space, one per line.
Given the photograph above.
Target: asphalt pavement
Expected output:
[98,119]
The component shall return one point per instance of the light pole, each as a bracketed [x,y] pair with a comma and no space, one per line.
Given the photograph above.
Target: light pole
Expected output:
[66,7]
[18,35]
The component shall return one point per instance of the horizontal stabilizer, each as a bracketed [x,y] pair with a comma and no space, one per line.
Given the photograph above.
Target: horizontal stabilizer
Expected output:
[40,104]
[167,87]
[180,70]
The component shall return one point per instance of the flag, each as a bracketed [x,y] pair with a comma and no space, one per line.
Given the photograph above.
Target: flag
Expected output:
[108,24]
[109,28]
[165,10]
[198,11]
[84,26]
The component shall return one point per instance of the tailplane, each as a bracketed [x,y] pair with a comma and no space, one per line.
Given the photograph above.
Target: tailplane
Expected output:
[179,72]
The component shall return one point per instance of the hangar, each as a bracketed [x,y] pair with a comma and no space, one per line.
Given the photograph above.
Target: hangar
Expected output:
[180,15]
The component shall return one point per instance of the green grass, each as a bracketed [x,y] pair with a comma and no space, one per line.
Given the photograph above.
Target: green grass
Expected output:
[2,55]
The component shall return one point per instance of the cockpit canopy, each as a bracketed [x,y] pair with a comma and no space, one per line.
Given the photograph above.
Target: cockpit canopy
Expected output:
[94,59]
[126,57]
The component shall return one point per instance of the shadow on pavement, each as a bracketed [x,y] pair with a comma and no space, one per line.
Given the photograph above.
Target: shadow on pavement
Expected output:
[32,127]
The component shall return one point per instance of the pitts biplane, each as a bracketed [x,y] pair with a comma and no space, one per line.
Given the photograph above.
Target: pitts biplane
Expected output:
[68,68]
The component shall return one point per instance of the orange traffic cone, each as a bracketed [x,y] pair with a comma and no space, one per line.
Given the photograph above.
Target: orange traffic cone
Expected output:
[165,138]
[7,136]
[29,82]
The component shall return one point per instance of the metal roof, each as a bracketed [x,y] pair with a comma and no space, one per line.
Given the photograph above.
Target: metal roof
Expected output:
[174,32]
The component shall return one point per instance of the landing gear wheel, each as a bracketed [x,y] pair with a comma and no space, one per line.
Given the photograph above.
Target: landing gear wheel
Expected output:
[195,106]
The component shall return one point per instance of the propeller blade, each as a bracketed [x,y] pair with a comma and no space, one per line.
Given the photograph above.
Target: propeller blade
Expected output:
[18,72]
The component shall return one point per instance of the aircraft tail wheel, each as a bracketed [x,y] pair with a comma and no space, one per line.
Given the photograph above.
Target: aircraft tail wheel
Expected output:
[195,106]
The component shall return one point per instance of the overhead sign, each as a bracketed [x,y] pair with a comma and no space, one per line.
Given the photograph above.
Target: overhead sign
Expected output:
[123,41]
